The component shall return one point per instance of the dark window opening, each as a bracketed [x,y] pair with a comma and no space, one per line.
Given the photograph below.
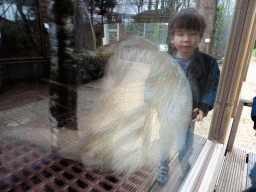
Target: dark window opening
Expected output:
[20,32]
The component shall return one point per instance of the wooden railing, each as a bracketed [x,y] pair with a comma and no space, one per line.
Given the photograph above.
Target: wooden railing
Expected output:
[242,102]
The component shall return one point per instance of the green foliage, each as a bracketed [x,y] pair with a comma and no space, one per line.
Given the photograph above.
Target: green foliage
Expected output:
[19,41]
[93,65]
[254,49]
[64,98]
[254,52]
[218,28]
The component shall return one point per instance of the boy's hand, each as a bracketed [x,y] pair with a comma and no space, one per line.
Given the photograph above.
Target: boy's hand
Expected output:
[200,115]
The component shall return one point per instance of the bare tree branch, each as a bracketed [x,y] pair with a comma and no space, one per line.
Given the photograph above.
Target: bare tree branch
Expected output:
[7,9]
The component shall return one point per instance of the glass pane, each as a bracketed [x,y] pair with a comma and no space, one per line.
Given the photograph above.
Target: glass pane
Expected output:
[20,34]
[150,19]
[94,89]
[218,43]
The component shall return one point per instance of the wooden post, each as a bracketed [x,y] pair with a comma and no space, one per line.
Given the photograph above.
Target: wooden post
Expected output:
[234,66]
[247,58]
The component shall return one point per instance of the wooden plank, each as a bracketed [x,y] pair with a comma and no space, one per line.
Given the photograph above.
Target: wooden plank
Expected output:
[211,169]
[247,101]
[177,178]
[235,124]
[236,121]
[232,172]
[194,174]
[242,102]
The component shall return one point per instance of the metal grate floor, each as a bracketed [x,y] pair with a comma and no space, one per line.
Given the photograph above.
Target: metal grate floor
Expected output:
[27,167]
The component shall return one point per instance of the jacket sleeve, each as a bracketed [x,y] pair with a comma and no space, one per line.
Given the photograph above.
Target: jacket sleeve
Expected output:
[208,100]
[253,113]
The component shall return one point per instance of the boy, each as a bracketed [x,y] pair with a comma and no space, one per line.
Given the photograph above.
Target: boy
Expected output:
[186,31]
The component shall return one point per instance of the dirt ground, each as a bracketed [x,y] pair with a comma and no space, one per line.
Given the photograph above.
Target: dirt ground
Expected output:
[245,137]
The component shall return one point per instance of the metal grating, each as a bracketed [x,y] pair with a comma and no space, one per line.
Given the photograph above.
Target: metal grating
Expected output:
[140,180]
[27,167]
[66,119]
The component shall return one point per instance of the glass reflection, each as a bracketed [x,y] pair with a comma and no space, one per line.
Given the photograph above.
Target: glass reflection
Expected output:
[20,33]
[98,36]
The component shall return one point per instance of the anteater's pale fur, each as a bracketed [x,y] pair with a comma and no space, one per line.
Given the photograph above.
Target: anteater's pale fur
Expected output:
[142,87]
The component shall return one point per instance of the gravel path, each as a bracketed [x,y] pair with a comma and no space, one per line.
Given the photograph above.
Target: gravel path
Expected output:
[245,137]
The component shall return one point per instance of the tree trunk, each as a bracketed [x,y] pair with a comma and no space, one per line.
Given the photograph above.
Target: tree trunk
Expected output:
[149,4]
[162,4]
[208,9]
[63,93]
[198,4]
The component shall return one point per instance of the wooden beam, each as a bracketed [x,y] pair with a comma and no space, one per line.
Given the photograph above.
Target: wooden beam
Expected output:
[242,102]
[246,59]
[192,177]
[209,178]
[234,63]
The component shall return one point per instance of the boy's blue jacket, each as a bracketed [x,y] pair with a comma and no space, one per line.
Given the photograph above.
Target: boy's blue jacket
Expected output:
[204,76]
[253,113]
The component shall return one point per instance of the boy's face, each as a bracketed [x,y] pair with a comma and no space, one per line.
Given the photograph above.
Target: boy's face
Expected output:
[186,41]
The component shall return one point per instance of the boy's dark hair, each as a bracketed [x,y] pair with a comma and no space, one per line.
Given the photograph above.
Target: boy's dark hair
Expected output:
[188,19]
